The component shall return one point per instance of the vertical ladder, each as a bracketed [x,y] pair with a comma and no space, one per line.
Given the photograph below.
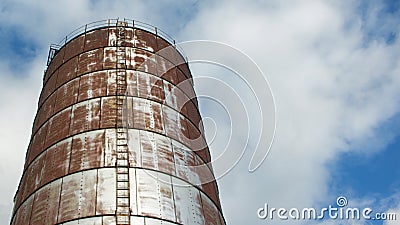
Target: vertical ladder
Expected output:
[122,164]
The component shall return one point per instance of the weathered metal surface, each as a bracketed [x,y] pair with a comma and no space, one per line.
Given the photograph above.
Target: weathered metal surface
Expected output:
[67,71]
[117,132]
[78,195]
[45,111]
[94,39]
[74,47]
[186,163]
[45,206]
[144,61]
[85,116]
[106,185]
[87,150]
[154,195]
[110,148]
[90,61]
[151,87]
[48,88]
[110,59]
[24,213]
[187,203]
[58,127]
[66,95]
[57,160]
[156,152]
[108,112]
[211,212]
[145,40]
[147,115]
[93,85]
[37,144]
[175,124]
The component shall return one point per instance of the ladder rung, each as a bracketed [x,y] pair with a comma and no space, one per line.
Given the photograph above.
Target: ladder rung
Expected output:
[122,185]
[122,193]
[122,177]
[122,162]
[123,211]
[122,202]
[122,170]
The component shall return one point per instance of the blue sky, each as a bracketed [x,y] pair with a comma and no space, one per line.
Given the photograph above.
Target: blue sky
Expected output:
[333,67]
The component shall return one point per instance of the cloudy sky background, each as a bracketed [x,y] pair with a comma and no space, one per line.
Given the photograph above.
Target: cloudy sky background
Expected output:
[333,67]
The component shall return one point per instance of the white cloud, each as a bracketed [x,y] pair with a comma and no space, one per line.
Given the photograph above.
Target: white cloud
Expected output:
[332,89]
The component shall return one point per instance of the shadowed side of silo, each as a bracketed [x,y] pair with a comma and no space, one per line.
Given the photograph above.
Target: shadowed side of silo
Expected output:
[118,137]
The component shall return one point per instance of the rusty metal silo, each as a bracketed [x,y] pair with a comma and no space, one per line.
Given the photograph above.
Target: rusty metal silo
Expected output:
[117,138]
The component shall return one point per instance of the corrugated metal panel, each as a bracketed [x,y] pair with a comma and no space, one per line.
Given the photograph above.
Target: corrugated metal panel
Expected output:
[24,213]
[67,71]
[108,112]
[74,47]
[96,38]
[187,203]
[185,163]
[112,36]
[165,49]
[133,193]
[135,156]
[131,80]
[129,37]
[170,76]
[44,112]
[109,220]
[93,85]
[37,144]
[45,206]
[156,152]
[58,127]
[78,195]
[87,150]
[175,124]
[163,65]
[110,148]
[211,213]
[146,63]
[147,115]
[57,161]
[111,82]
[151,87]
[169,93]
[154,197]
[85,116]
[48,88]
[90,61]
[67,95]
[106,186]
[110,58]
[145,40]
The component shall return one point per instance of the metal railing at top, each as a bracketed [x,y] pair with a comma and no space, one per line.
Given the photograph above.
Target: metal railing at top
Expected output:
[109,23]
